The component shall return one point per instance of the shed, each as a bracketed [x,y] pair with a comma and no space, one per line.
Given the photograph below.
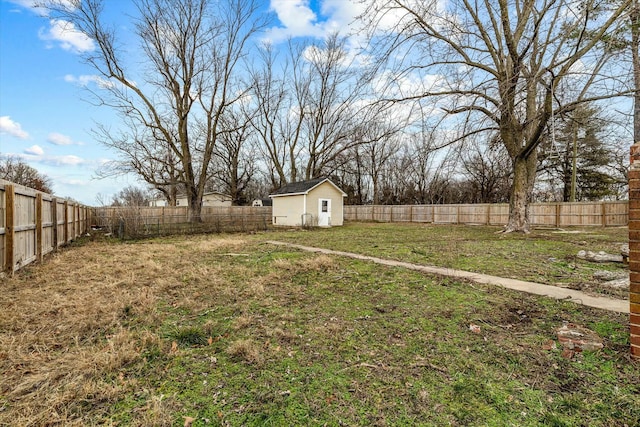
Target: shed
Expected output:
[317,202]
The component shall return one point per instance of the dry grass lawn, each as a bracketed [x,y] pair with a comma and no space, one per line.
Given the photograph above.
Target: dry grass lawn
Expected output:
[226,330]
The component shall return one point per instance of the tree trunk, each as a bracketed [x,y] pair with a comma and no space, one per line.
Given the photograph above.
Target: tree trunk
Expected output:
[524,173]
[194,211]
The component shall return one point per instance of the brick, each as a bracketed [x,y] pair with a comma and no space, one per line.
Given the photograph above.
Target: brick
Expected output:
[634,319]
[634,276]
[634,174]
[634,246]
[634,235]
[634,193]
[635,351]
[634,204]
[635,330]
[634,288]
[634,308]
[634,264]
[634,297]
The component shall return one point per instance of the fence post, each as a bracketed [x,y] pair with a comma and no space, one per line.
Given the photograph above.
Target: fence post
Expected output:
[604,214]
[65,233]
[39,242]
[9,227]
[54,218]
[558,207]
[74,231]
[634,250]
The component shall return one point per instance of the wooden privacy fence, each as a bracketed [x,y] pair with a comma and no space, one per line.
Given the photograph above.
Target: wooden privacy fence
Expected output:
[604,214]
[134,222]
[33,224]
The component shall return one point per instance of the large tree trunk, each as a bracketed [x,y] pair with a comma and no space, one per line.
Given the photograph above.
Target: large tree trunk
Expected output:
[194,211]
[524,174]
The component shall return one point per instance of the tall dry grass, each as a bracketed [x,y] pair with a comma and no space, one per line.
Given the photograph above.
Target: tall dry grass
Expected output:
[64,337]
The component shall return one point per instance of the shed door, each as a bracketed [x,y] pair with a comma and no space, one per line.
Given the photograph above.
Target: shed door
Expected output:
[324,212]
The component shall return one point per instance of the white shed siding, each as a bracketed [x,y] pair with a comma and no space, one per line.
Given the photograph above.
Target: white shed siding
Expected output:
[288,210]
[326,191]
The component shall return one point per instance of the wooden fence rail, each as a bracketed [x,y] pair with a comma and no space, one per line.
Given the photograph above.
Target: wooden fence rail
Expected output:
[604,214]
[33,223]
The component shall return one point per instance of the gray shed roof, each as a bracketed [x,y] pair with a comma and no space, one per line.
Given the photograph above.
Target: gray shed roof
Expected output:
[302,187]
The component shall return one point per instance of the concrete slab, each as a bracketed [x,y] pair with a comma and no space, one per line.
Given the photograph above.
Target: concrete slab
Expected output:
[604,303]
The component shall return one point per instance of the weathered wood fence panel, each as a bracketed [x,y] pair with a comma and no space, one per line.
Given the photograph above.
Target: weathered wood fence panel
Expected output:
[604,214]
[134,222]
[33,223]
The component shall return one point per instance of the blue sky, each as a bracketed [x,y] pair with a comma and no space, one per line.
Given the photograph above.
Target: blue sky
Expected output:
[44,116]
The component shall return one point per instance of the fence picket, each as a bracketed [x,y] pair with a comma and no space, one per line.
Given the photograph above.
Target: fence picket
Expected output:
[30,225]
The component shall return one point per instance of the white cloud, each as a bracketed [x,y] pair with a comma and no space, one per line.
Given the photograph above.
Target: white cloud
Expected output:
[86,79]
[36,150]
[68,160]
[60,139]
[298,19]
[72,181]
[294,14]
[66,34]
[342,13]
[36,154]
[12,128]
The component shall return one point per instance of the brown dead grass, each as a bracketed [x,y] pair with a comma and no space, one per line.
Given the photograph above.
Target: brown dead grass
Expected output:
[246,350]
[61,326]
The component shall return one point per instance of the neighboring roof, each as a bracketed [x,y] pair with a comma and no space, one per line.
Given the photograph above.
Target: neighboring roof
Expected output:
[303,187]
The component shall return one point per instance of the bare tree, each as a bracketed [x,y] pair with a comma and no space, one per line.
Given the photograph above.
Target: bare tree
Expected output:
[486,168]
[131,196]
[309,105]
[16,170]
[234,162]
[280,93]
[171,107]
[494,66]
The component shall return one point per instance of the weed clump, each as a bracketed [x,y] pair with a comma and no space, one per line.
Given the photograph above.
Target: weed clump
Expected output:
[189,336]
[246,350]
